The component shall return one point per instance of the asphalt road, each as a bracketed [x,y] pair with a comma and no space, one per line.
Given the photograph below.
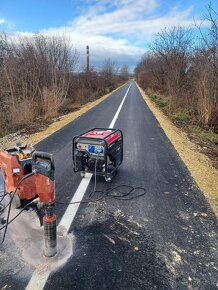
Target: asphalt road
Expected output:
[166,239]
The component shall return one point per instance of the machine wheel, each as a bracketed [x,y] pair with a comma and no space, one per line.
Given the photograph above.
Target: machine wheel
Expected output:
[16,202]
[83,174]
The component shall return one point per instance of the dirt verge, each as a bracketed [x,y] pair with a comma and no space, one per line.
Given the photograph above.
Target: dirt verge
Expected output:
[199,165]
[24,138]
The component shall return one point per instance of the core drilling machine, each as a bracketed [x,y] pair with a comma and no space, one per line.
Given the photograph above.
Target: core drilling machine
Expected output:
[29,175]
[43,168]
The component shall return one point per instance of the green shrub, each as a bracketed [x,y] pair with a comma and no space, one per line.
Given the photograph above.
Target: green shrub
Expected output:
[183,116]
[160,101]
[204,134]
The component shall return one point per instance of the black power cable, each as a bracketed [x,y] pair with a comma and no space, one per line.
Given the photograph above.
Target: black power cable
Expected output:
[10,203]
[28,204]
[2,206]
[4,193]
[109,192]
[2,196]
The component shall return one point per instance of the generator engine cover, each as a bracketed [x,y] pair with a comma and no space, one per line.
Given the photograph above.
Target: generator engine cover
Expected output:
[100,150]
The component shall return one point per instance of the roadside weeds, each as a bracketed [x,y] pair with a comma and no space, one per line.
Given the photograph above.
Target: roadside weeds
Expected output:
[12,139]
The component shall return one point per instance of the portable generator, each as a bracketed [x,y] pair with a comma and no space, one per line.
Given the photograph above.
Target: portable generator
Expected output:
[15,163]
[99,151]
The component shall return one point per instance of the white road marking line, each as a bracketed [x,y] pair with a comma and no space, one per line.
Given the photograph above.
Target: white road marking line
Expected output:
[38,279]
[71,210]
[119,109]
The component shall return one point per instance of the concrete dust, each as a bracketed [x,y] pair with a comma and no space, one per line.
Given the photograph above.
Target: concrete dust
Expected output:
[128,229]
[176,257]
[170,266]
[109,239]
[119,213]
[184,215]
[172,258]
[199,165]
[27,235]
[200,214]
[124,239]
[132,221]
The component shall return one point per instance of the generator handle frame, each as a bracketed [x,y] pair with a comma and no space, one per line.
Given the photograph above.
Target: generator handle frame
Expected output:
[105,143]
[104,129]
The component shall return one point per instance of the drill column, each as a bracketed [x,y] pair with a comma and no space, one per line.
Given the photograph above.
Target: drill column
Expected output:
[43,166]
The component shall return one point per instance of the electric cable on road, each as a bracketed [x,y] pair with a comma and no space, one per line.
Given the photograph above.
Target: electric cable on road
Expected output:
[122,195]
[114,192]
[10,203]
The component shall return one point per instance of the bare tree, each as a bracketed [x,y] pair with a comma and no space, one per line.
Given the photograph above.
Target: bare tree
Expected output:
[187,76]
[172,48]
[206,72]
[124,72]
[150,72]
[109,71]
[38,79]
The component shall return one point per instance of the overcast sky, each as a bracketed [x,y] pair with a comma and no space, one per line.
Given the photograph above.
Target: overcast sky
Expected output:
[119,29]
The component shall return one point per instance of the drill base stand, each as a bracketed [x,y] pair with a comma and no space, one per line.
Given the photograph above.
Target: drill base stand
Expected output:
[50,232]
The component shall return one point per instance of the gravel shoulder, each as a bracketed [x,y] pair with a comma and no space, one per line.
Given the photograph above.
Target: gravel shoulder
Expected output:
[198,164]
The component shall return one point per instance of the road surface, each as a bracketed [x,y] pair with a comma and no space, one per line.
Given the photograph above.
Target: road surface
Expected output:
[165,239]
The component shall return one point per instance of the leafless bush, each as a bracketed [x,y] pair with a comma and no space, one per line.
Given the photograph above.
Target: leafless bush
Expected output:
[108,72]
[150,72]
[35,76]
[172,48]
[187,76]
[206,87]
[206,72]
[124,72]
[38,79]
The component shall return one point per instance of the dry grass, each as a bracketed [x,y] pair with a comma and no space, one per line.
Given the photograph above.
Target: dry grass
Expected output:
[64,120]
[199,165]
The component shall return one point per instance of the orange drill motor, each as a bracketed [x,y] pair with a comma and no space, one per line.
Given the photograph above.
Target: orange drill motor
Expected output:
[15,164]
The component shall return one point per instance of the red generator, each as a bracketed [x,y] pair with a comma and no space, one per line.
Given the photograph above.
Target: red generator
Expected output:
[15,163]
[98,151]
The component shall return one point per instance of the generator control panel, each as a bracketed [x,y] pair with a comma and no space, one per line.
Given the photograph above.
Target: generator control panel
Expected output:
[91,148]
